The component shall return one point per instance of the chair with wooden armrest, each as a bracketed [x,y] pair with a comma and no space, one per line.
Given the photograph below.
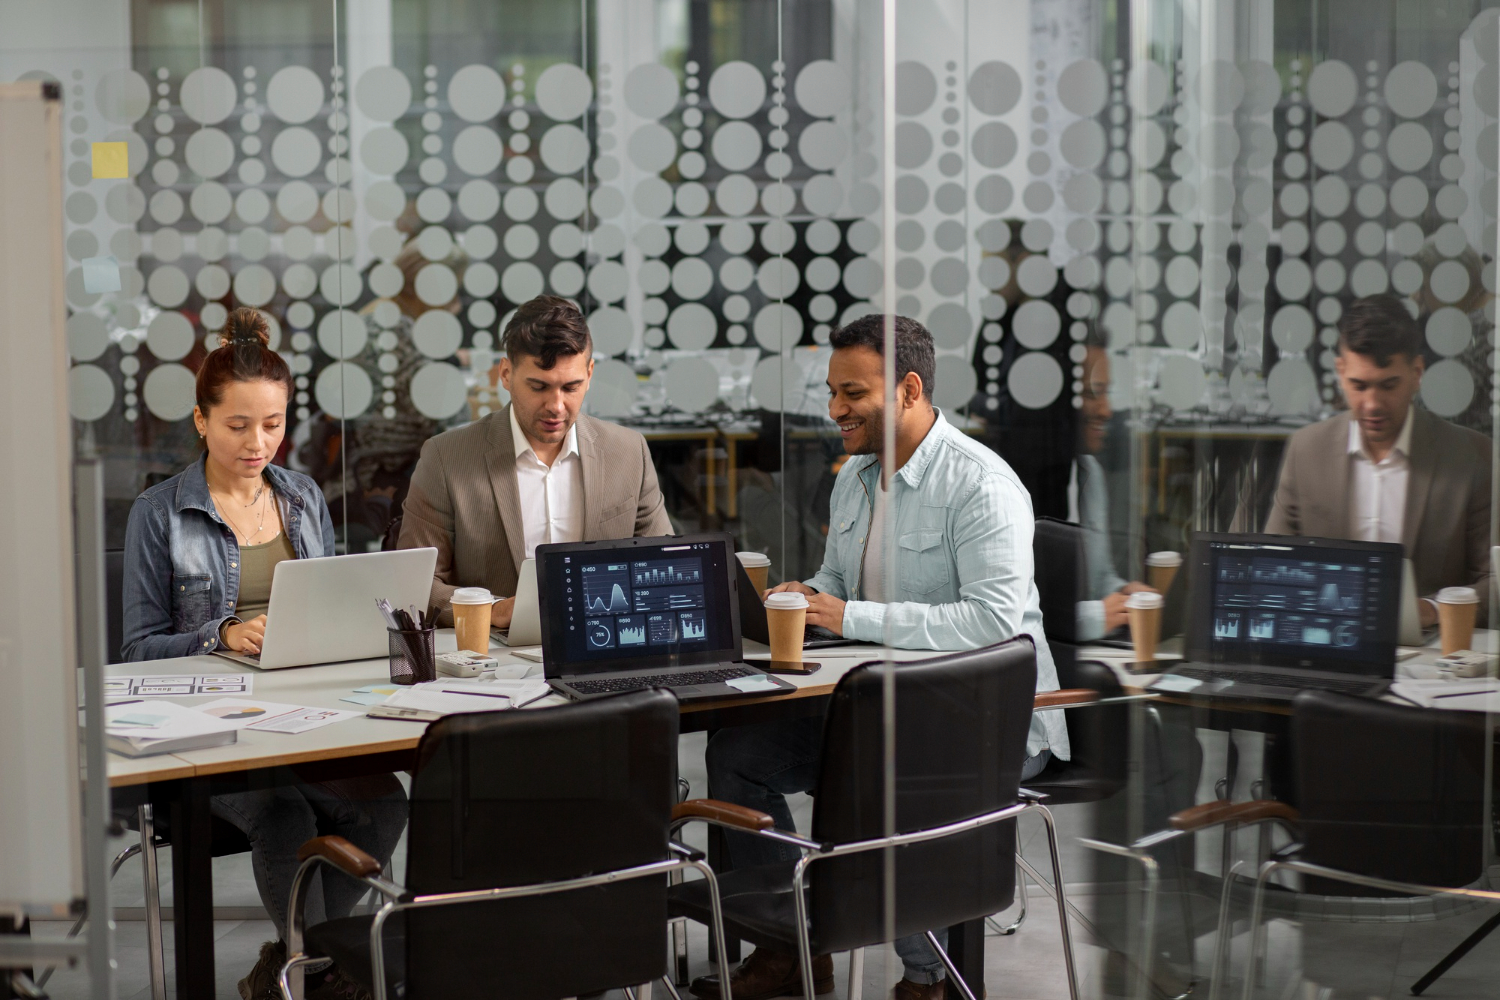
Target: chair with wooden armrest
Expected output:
[535,837]
[960,740]
[1388,828]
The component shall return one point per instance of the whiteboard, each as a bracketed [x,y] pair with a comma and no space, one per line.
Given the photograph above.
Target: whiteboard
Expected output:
[40,825]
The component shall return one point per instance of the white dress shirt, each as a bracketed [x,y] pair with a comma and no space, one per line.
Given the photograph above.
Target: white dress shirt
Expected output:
[1377,495]
[551,496]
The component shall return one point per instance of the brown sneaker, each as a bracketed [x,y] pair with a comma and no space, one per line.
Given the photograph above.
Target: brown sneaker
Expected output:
[766,974]
[260,982]
[333,984]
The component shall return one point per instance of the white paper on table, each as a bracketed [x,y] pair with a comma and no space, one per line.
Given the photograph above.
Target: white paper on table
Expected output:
[252,713]
[158,720]
[753,684]
[479,694]
[1478,694]
[1176,683]
[301,720]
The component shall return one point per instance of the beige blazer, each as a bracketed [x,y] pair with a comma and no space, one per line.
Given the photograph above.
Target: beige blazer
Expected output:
[1447,527]
[464,501]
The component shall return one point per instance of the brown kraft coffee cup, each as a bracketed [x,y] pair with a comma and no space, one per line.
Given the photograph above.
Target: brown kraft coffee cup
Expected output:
[786,619]
[471,618]
[1161,568]
[1457,609]
[757,568]
[1144,611]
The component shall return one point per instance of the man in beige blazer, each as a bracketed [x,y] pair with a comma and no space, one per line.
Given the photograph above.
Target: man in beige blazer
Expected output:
[1386,471]
[539,471]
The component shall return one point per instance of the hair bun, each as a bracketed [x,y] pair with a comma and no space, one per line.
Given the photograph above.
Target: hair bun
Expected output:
[245,326]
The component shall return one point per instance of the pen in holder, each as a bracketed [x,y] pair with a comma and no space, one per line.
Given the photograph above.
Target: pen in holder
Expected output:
[413,655]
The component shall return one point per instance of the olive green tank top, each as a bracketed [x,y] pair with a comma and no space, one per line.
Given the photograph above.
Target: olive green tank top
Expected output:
[257,565]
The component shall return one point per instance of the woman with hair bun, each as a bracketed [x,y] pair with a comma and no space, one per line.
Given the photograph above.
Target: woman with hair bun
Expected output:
[200,552]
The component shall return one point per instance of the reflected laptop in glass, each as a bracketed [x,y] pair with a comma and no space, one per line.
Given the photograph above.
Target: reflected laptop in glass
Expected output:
[323,610]
[634,613]
[1271,615]
[526,618]
[1412,632]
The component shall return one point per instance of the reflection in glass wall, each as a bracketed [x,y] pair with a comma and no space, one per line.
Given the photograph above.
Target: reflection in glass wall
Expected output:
[1139,234]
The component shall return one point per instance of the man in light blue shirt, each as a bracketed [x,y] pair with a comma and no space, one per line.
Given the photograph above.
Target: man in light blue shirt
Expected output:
[961,524]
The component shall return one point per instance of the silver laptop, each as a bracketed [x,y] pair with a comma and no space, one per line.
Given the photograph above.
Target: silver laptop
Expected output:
[323,610]
[525,619]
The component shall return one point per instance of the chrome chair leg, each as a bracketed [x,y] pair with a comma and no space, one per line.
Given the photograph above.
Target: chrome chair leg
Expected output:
[1062,900]
[1015,925]
[953,974]
[1222,944]
[666,982]
[155,950]
[856,973]
[1257,912]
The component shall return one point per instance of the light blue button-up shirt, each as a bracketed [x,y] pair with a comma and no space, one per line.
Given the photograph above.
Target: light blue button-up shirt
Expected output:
[1093,514]
[962,576]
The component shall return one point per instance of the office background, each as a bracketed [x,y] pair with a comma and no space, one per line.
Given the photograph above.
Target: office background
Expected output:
[1204,185]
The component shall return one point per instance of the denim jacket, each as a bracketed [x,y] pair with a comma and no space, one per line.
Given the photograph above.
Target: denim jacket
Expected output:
[962,576]
[182,575]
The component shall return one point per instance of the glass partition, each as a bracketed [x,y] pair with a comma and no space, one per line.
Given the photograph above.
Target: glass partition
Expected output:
[1134,232]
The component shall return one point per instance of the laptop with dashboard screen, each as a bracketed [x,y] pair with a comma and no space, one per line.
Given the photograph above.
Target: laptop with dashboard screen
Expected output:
[1271,615]
[634,613]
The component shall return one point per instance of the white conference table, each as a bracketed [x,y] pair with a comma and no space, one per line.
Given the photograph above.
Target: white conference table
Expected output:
[180,786]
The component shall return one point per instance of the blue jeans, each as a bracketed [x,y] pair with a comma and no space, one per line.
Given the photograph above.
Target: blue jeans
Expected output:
[368,812]
[758,766]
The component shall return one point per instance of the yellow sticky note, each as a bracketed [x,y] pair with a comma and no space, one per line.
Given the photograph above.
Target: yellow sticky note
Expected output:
[111,159]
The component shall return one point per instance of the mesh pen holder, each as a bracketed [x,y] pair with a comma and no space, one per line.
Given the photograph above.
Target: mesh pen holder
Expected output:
[413,655]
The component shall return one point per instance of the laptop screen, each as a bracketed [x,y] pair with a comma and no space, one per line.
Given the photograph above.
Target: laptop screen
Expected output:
[616,605]
[1333,605]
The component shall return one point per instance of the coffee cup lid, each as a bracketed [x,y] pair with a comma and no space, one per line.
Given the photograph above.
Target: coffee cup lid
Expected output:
[1458,595]
[472,595]
[1143,600]
[1164,559]
[753,558]
[786,600]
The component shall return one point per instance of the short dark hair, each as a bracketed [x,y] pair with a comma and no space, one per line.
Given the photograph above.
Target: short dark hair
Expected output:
[546,328]
[913,345]
[1379,327]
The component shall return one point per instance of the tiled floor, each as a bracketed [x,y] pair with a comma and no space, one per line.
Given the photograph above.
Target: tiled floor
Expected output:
[1356,961]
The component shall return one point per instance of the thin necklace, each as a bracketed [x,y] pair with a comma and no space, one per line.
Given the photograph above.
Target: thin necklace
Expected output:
[260,524]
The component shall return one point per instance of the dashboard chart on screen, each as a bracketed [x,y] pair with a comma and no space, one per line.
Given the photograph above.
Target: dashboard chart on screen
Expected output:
[1291,599]
[644,601]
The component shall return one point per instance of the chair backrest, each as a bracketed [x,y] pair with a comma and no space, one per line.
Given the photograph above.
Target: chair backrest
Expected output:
[961,722]
[1389,791]
[517,798]
[391,540]
[1057,553]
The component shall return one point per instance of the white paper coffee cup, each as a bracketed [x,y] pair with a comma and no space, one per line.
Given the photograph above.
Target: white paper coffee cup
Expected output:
[786,620]
[757,568]
[471,618]
[1458,607]
[1143,609]
[472,595]
[1161,568]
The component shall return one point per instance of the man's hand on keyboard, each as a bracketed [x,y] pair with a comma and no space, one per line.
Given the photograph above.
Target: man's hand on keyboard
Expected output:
[827,611]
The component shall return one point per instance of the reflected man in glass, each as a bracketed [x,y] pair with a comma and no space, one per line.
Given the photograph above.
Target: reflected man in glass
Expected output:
[1387,470]
[1103,608]
[962,525]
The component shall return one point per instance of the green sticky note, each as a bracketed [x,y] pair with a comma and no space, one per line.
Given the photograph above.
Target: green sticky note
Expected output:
[111,160]
[101,274]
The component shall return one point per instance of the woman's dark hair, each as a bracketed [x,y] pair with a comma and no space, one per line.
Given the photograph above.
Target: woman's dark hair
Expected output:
[544,328]
[244,355]
[1379,327]
[914,351]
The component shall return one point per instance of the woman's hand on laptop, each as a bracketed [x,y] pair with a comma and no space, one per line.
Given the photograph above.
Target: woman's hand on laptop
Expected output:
[501,612]
[246,637]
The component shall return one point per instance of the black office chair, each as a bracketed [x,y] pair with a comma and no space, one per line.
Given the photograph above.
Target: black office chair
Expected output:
[960,739]
[114,605]
[536,837]
[1388,825]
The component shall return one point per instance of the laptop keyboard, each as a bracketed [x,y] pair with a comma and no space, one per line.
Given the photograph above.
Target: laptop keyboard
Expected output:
[614,685]
[1354,685]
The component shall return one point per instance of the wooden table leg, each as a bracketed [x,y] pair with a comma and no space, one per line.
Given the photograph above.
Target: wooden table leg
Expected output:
[193,891]
[966,948]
